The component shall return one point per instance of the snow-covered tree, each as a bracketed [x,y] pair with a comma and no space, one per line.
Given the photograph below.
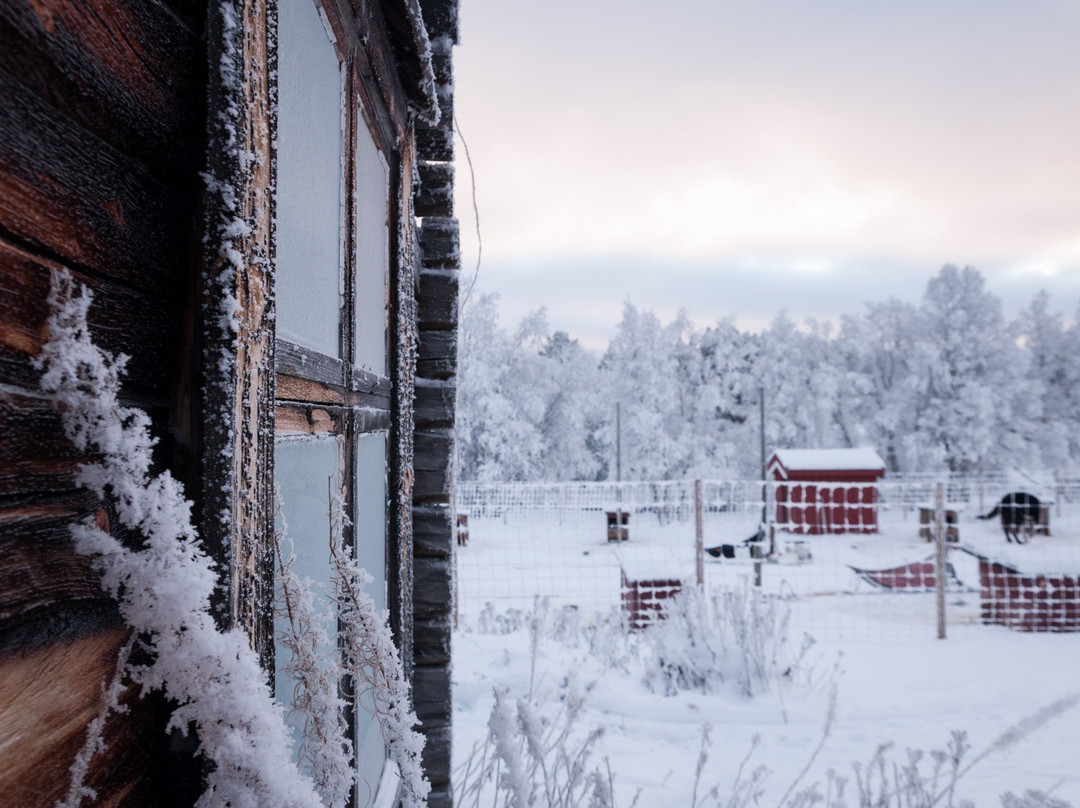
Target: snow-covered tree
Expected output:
[642,375]
[977,412]
[1053,379]
[945,384]
[498,423]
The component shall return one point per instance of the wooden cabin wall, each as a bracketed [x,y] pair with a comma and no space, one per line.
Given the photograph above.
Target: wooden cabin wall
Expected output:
[102,118]
[436,390]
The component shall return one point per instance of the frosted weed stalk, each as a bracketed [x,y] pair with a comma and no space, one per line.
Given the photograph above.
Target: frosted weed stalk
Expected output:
[735,637]
[163,586]
[916,780]
[366,657]
[371,660]
[528,760]
[95,732]
[324,750]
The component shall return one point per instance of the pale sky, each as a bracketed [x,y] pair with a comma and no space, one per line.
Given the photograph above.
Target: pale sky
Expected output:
[736,158]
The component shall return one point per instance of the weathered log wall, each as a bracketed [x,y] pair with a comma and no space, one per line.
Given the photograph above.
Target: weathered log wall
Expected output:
[437,299]
[102,114]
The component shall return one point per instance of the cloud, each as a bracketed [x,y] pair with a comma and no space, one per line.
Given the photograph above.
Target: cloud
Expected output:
[725,153]
[584,295]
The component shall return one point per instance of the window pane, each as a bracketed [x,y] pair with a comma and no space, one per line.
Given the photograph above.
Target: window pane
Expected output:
[370,521]
[304,471]
[309,180]
[372,251]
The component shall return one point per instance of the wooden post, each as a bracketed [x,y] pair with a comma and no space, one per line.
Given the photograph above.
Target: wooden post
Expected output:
[764,498]
[699,536]
[618,469]
[939,566]
[455,595]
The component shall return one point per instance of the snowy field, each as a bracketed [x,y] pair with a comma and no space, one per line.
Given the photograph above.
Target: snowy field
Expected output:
[895,681]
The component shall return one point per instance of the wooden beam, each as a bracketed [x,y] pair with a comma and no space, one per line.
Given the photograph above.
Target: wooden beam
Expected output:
[237,313]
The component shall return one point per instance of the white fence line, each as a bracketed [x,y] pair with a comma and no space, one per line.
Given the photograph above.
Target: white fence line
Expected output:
[530,540]
[674,499]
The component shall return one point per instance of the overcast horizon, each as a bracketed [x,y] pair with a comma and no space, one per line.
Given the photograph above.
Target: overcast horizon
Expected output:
[737,159]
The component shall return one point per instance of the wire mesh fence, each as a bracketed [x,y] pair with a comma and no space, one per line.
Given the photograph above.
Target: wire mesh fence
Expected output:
[855,561]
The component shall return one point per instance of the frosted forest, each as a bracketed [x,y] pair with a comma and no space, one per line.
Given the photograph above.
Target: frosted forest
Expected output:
[949,384]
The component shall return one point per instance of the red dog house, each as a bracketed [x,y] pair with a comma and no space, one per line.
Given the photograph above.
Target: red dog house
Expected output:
[826,490]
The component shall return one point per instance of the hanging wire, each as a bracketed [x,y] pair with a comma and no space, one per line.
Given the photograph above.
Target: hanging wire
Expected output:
[476,212]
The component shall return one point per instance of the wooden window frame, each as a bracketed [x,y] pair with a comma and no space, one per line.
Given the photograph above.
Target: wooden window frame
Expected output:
[255,387]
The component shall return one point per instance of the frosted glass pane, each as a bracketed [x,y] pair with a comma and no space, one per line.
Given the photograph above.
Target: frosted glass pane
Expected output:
[370,521]
[370,518]
[372,251]
[309,180]
[304,471]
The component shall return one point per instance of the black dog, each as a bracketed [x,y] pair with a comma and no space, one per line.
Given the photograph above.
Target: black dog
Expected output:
[730,550]
[1018,511]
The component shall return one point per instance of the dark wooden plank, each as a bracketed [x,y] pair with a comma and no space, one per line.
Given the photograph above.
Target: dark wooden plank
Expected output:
[431,684]
[435,196]
[191,12]
[49,692]
[440,243]
[295,360]
[437,354]
[403,343]
[432,640]
[441,795]
[433,530]
[122,320]
[433,449]
[432,486]
[361,35]
[442,62]
[441,18]
[299,389]
[412,51]
[300,419]
[68,195]
[432,587]
[364,381]
[34,455]
[435,404]
[237,406]
[39,568]
[436,143]
[304,375]
[131,73]
[437,300]
[436,761]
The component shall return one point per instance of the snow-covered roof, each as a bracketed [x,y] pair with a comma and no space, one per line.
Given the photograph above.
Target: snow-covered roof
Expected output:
[638,567]
[829,459]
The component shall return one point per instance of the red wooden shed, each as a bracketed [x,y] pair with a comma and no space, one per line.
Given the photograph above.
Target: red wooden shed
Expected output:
[826,490]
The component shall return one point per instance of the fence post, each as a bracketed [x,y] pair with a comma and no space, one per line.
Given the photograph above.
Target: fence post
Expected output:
[939,567]
[699,536]
[455,595]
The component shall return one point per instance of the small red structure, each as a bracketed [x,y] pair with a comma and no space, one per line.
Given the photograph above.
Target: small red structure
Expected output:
[1028,602]
[647,588]
[917,576]
[826,490]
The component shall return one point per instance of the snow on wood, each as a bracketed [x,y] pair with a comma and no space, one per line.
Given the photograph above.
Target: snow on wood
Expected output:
[829,459]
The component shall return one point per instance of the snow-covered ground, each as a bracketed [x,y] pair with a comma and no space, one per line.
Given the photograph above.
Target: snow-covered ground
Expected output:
[896,682]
